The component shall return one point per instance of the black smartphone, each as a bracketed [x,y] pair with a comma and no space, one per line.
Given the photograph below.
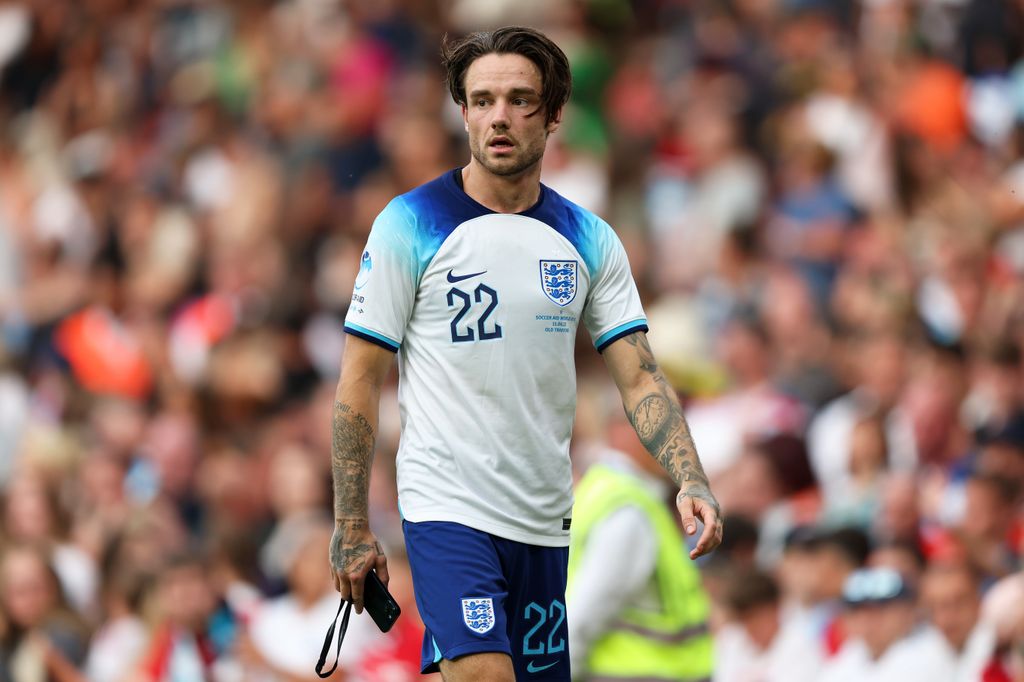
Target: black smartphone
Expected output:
[379,603]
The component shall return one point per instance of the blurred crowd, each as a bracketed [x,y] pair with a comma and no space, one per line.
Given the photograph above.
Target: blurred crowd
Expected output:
[823,205]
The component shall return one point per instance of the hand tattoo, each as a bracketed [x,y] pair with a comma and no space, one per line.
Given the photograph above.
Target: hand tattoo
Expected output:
[346,557]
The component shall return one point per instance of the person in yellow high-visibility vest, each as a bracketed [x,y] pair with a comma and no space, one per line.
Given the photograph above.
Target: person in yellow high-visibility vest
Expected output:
[636,607]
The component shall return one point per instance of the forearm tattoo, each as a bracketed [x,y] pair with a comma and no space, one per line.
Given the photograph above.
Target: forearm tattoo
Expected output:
[351,457]
[662,428]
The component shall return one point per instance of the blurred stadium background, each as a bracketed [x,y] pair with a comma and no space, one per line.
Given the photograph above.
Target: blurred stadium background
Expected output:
[823,204]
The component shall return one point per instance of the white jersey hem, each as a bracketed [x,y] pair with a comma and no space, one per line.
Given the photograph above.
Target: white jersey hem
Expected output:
[497,529]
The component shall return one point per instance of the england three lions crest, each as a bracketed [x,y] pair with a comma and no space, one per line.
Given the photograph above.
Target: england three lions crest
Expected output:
[558,279]
[478,614]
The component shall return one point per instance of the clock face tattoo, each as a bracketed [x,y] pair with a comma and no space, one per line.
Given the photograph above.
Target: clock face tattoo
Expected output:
[650,416]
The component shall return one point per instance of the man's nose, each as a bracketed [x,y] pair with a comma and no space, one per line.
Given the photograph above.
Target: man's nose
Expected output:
[500,115]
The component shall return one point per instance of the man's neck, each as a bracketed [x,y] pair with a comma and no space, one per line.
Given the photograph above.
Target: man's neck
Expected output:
[504,194]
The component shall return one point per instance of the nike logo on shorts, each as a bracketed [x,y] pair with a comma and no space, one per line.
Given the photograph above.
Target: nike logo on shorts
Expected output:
[458,278]
[531,668]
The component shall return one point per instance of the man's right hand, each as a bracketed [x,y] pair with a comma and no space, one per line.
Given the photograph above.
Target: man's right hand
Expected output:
[354,551]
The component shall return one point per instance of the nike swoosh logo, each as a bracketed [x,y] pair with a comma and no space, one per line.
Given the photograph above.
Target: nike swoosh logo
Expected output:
[458,278]
[531,668]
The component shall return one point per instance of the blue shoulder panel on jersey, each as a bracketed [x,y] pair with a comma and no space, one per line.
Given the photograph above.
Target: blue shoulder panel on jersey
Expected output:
[432,212]
[613,335]
[372,336]
[583,229]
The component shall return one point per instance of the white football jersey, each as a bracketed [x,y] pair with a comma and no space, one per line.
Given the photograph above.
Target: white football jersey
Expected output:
[482,308]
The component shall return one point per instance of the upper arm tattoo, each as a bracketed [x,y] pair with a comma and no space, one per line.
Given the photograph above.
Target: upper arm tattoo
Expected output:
[643,350]
[351,457]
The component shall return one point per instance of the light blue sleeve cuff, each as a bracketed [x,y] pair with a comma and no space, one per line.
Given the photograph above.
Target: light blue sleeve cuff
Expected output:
[613,335]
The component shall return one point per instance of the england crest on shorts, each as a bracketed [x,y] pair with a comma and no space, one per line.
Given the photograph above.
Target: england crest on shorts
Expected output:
[558,279]
[478,614]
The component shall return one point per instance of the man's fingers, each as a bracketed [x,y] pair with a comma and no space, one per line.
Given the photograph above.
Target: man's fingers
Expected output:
[707,541]
[357,580]
[381,565]
[712,535]
[685,505]
[344,587]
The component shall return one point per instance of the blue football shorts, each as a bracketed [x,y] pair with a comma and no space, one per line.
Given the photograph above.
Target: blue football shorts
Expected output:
[478,593]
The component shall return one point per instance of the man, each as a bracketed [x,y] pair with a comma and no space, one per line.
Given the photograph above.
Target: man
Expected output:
[886,642]
[757,644]
[637,608]
[815,566]
[951,596]
[479,280]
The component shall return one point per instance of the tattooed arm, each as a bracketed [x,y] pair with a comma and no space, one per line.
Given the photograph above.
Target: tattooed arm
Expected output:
[354,549]
[654,411]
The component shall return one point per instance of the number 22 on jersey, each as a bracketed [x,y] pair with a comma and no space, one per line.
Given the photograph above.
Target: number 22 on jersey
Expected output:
[462,302]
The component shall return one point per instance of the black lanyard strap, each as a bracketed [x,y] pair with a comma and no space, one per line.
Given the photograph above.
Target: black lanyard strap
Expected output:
[347,605]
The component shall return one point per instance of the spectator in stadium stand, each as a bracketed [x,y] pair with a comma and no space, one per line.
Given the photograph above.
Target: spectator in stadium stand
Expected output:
[879,360]
[886,641]
[990,528]
[756,643]
[179,645]
[1001,453]
[996,400]
[121,636]
[481,278]
[951,597]
[753,408]
[32,515]
[898,516]
[773,485]
[284,634]
[296,499]
[631,591]
[42,637]
[935,390]
[815,565]
[856,502]
[813,214]
[906,558]
[1003,608]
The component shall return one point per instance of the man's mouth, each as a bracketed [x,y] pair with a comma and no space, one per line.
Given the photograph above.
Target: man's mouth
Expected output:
[500,144]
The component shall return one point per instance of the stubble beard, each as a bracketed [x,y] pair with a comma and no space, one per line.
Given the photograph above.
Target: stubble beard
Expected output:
[529,157]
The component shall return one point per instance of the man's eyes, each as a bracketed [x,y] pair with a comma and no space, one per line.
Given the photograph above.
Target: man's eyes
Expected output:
[515,101]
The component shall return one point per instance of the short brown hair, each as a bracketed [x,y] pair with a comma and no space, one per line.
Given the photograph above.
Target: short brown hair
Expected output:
[748,589]
[556,79]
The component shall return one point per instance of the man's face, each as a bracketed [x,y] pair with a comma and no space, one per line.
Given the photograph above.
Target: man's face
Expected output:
[952,604]
[761,624]
[882,625]
[503,114]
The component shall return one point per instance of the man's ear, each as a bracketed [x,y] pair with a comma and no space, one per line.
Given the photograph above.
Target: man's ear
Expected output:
[465,117]
[556,121]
